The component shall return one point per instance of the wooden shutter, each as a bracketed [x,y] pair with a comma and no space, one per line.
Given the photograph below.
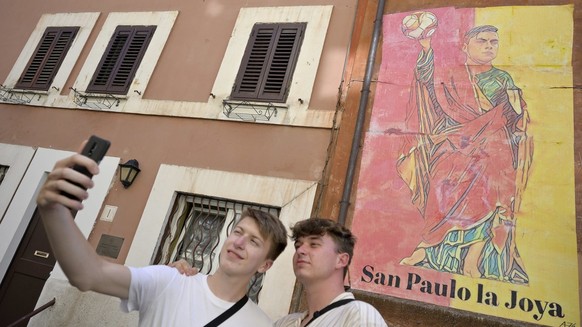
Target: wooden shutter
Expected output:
[47,58]
[268,63]
[117,67]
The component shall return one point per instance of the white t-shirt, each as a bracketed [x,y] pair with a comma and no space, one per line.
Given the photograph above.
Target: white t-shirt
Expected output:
[164,297]
[352,314]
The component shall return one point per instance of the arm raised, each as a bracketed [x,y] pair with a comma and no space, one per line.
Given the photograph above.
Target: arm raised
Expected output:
[83,267]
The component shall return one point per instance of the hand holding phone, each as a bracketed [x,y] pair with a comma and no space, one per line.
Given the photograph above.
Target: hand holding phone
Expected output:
[95,148]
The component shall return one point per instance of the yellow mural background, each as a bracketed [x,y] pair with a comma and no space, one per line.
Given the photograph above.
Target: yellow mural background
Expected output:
[536,48]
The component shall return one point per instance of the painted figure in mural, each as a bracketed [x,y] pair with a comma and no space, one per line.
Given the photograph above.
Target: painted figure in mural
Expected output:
[468,162]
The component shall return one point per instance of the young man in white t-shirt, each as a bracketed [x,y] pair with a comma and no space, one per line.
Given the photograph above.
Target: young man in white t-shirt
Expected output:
[162,296]
[323,252]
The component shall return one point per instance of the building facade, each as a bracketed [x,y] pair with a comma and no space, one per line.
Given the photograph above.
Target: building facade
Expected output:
[224,106]
[282,107]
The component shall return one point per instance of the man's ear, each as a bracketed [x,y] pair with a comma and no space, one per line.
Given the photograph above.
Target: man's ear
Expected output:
[343,260]
[265,266]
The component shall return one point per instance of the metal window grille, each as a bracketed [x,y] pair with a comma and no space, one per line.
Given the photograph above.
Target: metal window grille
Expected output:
[196,230]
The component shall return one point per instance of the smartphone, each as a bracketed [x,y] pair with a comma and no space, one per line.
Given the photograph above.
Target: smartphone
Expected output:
[95,148]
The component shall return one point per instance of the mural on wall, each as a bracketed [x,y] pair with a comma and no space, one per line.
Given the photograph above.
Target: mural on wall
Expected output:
[466,188]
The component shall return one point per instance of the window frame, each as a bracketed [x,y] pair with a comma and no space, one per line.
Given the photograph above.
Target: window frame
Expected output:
[296,111]
[164,22]
[52,97]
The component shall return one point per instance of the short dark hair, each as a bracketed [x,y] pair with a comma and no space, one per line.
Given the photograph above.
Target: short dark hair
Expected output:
[270,228]
[342,236]
[479,29]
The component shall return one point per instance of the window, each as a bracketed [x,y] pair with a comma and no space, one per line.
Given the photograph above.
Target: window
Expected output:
[47,58]
[124,53]
[196,229]
[268,63]
[3,171]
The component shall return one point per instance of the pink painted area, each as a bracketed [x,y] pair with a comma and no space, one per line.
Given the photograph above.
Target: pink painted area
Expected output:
[384,212]
[399,55]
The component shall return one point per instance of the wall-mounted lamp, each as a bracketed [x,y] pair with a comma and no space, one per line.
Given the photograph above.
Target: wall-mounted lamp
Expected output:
[128,172]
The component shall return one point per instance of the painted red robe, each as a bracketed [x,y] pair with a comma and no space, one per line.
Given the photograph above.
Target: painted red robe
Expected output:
[467,162]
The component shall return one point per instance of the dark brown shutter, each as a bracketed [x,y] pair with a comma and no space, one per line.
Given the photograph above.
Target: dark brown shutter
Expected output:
[47,58]
[268,63]
[114,51]
[117,67]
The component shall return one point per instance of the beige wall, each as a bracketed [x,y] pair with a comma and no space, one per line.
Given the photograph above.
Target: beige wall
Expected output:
[276,151]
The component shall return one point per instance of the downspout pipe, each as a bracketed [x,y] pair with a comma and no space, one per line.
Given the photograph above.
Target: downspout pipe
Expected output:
[345,201]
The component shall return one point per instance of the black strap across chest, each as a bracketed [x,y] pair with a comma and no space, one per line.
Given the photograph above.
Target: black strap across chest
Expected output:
[228,313]
[334,305]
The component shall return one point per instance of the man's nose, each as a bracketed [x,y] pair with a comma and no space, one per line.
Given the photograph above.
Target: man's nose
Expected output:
[240,242]
[301,249]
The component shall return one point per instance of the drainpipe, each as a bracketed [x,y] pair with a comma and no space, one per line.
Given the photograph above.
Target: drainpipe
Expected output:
[345,201]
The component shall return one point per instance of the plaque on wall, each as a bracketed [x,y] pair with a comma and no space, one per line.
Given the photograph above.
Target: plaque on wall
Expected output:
[109,246]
